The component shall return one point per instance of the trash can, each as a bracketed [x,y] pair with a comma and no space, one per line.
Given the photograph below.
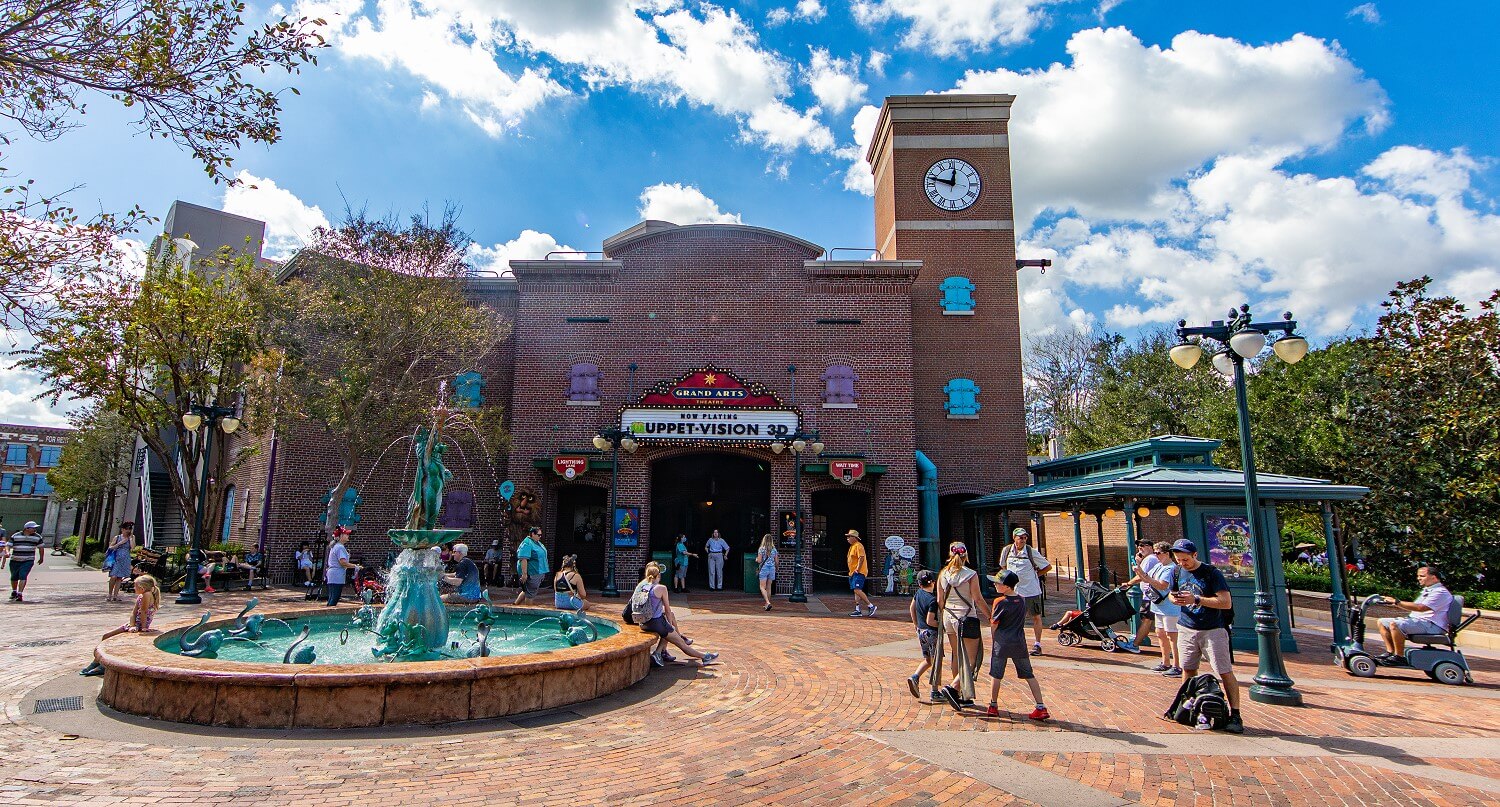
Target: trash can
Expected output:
[752,576]
[664,560]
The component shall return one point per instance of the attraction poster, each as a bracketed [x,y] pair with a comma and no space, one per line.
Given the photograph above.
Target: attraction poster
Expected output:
[1229,545]
[627,527]
[788,522]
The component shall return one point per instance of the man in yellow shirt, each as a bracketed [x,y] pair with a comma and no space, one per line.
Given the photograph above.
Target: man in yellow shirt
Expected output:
[859,566]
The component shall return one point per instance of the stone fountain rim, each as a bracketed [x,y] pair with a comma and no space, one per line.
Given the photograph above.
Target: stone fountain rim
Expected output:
[137,654]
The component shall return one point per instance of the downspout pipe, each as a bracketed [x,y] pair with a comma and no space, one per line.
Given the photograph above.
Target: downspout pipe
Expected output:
[927,510]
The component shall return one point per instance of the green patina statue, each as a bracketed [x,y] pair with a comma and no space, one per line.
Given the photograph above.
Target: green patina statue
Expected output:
[427,489]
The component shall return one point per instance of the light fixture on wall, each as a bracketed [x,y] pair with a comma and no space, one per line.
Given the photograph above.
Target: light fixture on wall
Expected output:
[1173,510]
[1143,511]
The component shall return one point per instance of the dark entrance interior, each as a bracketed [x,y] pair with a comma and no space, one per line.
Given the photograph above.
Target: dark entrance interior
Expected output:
[580,530]
[699,493]
[834,513]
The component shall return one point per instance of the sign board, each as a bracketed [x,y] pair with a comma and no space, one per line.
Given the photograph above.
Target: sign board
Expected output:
[709,424]
[894,543]
[570,467]
[507,489]
[847,471]
[710,386]
[627,527]
[788,522]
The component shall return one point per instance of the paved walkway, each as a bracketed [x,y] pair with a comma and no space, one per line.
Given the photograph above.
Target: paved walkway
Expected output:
[806,708]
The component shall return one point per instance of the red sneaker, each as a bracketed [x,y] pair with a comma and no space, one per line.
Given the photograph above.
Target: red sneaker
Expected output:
[993,711]
[209,590]
[1040,713]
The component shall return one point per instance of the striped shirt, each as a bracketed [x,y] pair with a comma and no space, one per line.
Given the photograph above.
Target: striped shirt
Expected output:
[25,546]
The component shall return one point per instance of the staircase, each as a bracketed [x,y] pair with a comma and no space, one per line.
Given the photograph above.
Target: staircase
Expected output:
[166,516]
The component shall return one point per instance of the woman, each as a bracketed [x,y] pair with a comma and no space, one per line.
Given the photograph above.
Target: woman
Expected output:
[567,586]
[119,552]
[1166,612]
[765,564]
[651,608]
[680,557]
[305,564]
[962,602]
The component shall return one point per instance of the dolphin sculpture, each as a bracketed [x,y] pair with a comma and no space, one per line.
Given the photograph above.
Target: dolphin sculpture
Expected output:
[205,644]
[300,655]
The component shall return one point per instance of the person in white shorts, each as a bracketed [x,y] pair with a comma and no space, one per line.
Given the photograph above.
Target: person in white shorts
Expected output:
[1203,594]
[1163,610]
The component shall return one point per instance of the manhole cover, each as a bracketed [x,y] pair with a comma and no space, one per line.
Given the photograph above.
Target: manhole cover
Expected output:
[549,719]
[41,643]
[72,703]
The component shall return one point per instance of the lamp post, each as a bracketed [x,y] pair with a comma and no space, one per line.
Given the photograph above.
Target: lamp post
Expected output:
[199,416]
[614,439]
[802,444]
[1236,339]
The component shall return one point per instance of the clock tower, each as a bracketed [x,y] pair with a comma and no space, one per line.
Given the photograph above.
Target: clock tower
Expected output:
[942,197]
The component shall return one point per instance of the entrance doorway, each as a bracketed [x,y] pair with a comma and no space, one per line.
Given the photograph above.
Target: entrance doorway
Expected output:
[699,493]
[580,530]
[834,513]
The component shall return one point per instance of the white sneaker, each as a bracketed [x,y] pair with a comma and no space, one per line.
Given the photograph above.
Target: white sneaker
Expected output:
[873,606]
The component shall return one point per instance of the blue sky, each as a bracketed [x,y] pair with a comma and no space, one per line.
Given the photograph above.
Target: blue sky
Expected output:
[1172,157]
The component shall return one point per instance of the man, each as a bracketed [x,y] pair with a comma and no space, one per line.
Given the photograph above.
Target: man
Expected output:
[465,576]
[859,567]
[25,550]
[717,549]
[1145,564]
[1429,614]
[531,566]
[253,561]
[490,574]
[1203,594]
[336,569]
[1164,611]
[1029,565]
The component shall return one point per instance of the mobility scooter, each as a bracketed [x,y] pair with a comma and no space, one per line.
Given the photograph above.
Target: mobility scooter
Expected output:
[1432,653]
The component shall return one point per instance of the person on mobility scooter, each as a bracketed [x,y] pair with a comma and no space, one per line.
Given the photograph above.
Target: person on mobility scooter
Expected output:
[1437,617]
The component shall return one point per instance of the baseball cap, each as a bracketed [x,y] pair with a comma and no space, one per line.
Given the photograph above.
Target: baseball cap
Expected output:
[957,548]
[31,525]
[1184,545]
[1019,531]
[1006,578]
[925,576]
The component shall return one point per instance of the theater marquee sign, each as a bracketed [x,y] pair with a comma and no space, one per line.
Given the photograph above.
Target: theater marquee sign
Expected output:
[710,405]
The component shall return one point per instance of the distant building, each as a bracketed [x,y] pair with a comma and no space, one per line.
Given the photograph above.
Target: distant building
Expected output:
[30,452]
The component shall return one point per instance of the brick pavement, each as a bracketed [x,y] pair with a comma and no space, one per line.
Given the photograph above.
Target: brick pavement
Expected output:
[786,718]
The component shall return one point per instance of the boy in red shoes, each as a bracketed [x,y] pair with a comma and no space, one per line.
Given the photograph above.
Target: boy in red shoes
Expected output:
[1008,643]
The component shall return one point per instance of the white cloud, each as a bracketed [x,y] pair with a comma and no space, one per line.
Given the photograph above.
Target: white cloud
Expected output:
[858,177]
[529,245]
[1365,11]
[289,220]
[949,27]
[778,16]
[835,81]
[877,62]
[810,10]
[19,388]
[682,204]
[1413,170]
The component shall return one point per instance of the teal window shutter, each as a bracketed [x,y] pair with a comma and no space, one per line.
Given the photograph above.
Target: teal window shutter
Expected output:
[50,456]
[467,390]
[41,486]
[15,454]
[958,295]
[28,484]
[6,480]
[963,398]
[348,516]
[228,514]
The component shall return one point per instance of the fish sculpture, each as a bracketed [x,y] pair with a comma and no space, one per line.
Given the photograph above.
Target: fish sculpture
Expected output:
[296,654]
[205,644]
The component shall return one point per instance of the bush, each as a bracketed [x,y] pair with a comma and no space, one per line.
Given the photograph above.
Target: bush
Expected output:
[70,544]
[95,560]
[1362,584]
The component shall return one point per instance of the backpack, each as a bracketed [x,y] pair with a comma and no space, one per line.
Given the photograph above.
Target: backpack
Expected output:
[640,603]
[1200,701]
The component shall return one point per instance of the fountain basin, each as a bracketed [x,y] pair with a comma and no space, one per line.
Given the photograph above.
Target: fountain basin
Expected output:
[423,539]
[142,679]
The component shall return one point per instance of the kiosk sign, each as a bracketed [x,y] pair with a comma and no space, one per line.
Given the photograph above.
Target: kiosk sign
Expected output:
[847,471]
[570,467]
[716,424]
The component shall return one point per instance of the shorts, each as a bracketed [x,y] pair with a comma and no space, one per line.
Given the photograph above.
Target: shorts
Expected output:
[1192,644]
[658,625]
[1034,605]
[532,583]
[768,573]
[1145,609]
[1165,623]
[1411,626]
[20,569]
[966,627]
[856,582]
[927,638]
[562,599]
[1000,655]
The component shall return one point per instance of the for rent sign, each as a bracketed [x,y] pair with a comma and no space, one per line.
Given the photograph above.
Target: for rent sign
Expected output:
[709,425]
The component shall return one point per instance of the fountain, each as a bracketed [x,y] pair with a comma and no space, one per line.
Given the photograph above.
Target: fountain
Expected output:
[412,661]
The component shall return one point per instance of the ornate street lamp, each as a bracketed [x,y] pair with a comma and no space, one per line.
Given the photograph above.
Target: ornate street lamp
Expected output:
[198,416]
[802,444]
[1236,339]
[613,439]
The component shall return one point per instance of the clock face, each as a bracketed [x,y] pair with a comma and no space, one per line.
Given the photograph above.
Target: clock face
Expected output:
[952,184]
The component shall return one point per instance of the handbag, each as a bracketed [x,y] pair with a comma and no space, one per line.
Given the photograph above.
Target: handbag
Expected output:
[109,559]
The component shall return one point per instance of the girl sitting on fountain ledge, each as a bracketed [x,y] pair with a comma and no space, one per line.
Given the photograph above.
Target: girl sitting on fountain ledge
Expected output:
[465,576]
[651,610]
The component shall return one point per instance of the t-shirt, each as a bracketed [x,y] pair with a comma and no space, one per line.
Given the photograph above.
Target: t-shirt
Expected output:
[535,554]
[857,562]
[717,544]
[1160,599]
[304,559]
[1025,564]
[1009,621]
[680,555]
[335,571]
[1205,581]
[1149,565]
[468,578]
[926,604]
[491,555]
[1439,599]
[24,546]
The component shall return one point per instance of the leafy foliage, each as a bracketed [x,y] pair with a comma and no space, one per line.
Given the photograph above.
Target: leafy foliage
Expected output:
[96,458]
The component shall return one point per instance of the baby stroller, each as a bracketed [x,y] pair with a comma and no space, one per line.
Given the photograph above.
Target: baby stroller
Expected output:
[1104,606]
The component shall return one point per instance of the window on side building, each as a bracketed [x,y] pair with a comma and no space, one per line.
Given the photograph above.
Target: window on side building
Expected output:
[583,384]
[963,398]
[838,390]
[228,514]
[40,486]
[50,456]
[15,454]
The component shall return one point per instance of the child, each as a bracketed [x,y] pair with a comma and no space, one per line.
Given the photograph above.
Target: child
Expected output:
[305,564]
[147,600]
[1008,643]
[923,613]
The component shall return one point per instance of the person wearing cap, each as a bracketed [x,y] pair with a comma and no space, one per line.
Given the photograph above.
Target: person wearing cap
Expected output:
[1008,644]
[1029,565]
[923,613]
[961,602]
[859,567]
[1164,612]
[26,551]
[1203,594]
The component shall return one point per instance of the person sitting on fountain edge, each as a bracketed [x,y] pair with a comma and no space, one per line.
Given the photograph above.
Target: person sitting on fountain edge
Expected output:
[465,576]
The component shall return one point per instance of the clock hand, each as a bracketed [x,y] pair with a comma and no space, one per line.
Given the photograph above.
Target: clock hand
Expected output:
[936,178]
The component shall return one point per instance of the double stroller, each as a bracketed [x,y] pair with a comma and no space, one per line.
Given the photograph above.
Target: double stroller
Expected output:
[1103,607]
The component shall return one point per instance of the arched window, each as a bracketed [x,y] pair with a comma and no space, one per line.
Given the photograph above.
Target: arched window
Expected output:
[958,296]
[838,390]
[228,514]
[583,383]
[468,390]
[963,398]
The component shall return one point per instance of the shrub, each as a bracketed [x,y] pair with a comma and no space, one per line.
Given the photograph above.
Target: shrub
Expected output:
[70,544]
[95,560]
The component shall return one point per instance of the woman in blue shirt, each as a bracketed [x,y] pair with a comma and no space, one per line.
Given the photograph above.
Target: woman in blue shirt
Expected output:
[680,557]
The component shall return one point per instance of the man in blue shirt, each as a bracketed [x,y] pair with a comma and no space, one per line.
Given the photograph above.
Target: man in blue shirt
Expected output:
[1203,594]
[465,576]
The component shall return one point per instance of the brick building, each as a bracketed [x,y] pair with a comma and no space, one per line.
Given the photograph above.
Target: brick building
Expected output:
[712,343]
[25,495]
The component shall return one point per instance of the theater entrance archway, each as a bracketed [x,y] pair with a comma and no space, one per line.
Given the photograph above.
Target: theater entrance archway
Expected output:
[835,512]
[699,493]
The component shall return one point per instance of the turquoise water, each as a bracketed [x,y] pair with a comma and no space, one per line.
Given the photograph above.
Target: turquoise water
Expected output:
[337,639]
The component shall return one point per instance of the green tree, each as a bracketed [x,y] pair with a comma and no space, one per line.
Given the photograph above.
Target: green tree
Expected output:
[379,320]
[96,458]
[144,349]
[187,68]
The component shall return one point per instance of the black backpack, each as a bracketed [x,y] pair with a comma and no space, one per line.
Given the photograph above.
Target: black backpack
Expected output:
[1200,701]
